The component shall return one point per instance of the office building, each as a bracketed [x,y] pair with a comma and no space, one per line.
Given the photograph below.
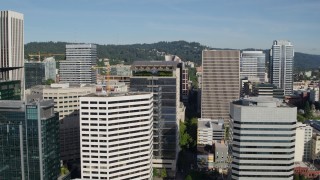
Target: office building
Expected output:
[262,89]
[50,68]
[220,82]
[314,95]
[12,47]
[184,83]
[315,147]
[66,102]
[77,68]
[34,74]
[281,65]
[262,132]
[116,136]
[29,140]
[163,79]
[10,90]
[209,131]
[303,142]
[253,65]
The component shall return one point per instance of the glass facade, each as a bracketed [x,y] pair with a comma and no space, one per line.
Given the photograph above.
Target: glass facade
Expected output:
[10,90]
[165,126]
[29,141]
[34,74]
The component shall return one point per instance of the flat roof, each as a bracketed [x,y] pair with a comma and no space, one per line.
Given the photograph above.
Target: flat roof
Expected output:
[155,63]
[112,94]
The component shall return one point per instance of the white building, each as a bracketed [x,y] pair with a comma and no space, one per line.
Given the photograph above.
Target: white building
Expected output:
[116,136]
[210,130]
[253,65]
[262,132]
[12,46]
[50,68]
[315,151]
[77,68]
[303,142]
[281,65]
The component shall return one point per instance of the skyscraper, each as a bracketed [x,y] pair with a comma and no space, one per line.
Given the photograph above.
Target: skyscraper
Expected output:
[77,68]
[162,78]
[262,131]
[35,74]
[116,136]
[12,47]
[29,140]
[253,65]
[281,65]
[220,82]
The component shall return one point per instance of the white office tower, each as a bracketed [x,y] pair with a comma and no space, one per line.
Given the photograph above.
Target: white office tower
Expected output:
[50,68]
[77,68]
[116,136]
[12,46]
[303,142]
[262,132]
[281,65]
[253,66]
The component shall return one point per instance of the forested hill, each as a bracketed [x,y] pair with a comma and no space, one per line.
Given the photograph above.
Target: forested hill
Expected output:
[187,51]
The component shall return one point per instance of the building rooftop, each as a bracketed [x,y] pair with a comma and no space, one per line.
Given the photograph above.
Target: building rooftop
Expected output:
[216,125]
[261,101]
[155,63]
[117,94]
[308,165]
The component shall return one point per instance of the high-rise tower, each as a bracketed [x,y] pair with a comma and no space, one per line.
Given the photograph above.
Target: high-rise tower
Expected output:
[77,68]
[116,136]
[220,82]
[263,133]
[253,65]
[281,65]
[12,47]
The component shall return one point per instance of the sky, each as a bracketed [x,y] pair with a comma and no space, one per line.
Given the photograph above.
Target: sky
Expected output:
[215,23]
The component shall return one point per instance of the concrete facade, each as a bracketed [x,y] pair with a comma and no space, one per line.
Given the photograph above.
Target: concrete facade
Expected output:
[262,132]
[220,82]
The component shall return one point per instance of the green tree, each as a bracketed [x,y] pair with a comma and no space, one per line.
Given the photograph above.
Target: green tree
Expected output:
[155,172]
[307,111]
[188,177]
[163,173]
[49,81]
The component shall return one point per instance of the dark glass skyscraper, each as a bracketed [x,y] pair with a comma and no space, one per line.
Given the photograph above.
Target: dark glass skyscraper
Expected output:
[163,79]
[29,140]
[34,74]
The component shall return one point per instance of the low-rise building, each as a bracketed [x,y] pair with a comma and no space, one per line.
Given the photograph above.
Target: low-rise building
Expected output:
[315,148]
[210,130]
[306,169]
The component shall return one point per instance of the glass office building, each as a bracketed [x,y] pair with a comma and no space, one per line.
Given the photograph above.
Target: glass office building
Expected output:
[34,74]
[163,79]
[29,140]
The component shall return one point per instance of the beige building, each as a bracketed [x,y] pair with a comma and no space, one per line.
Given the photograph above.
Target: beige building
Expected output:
[220,82]
[66,102]
[315,148]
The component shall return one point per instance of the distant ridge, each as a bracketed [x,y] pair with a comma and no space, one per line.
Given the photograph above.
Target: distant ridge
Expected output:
[189,51]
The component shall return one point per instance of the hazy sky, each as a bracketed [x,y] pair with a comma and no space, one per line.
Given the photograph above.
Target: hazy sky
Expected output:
[222,24]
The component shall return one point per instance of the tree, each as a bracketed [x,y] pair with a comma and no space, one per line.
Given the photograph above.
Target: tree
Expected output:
[49,81]
[155,172]
[163,173]
[296,177]
[188,177]
[307,111]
